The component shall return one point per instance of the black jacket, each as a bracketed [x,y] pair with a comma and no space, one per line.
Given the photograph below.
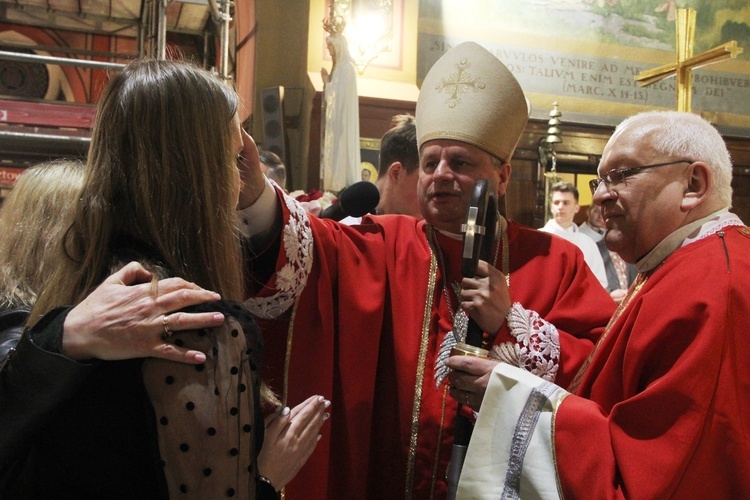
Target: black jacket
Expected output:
[76,430]
[11,327]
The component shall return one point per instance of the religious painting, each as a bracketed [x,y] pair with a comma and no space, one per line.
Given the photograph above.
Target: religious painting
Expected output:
[585,54]
[370,153]
[369,172]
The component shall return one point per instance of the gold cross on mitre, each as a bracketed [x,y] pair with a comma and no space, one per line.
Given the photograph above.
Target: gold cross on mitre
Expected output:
[686,61]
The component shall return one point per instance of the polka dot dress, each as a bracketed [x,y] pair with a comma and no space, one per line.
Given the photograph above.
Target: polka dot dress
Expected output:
[205,414]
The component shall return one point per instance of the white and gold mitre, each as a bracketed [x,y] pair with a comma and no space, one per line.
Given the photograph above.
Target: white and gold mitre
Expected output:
[470,96]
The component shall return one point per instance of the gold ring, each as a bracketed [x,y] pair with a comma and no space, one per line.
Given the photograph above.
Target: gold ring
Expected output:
[165,324]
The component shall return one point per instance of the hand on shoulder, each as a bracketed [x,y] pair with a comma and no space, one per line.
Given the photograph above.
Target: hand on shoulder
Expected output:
[128,315]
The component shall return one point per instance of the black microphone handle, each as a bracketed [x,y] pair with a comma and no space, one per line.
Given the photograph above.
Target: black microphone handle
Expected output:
[334,212]
[356,200]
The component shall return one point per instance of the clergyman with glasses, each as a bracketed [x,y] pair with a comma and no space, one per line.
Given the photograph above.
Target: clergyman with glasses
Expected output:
[659,410]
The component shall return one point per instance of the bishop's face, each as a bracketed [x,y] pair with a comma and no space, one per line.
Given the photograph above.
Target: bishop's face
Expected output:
[448,171]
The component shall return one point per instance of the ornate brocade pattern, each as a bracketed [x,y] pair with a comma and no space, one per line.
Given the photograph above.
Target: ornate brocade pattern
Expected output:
[522,434]
[451,339]
[506,352]
[714,226]
[292,277]
[537,343]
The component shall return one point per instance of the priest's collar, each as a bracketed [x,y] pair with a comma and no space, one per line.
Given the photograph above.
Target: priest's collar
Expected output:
[685,235]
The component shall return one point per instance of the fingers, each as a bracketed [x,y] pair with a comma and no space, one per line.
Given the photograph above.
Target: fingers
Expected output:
[181,321]
[303,419]
[483,272]
[308,404]
[276,422]
[468,379]
[466,398]
[470,365]
[185,297]
[184,321]
[253,180]
[249,163]
[312,415]
[168,285]
[127,316]
[306,424]
[249,148]
[291,437]
[173,293]
[486,298]
[178,354]
[483,269]
[131,273]
[280,410]
[176,294]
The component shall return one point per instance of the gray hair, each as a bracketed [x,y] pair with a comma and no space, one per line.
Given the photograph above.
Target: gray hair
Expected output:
[689,136]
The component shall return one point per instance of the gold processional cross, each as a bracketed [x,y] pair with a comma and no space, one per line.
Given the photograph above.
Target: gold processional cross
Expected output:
[686,61]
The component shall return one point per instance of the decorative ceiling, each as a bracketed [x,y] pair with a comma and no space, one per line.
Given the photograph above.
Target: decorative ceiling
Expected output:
[112,17]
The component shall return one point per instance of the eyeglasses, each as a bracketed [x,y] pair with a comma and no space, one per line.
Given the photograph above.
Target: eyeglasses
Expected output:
[619,175]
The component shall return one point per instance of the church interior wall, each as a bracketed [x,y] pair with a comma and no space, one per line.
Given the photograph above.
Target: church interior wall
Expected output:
[290,52]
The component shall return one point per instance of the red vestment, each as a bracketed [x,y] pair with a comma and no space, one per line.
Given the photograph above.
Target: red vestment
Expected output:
[667,395]
[361,337]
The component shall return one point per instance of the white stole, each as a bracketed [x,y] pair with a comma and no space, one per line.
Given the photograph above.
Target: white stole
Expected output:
[511,453]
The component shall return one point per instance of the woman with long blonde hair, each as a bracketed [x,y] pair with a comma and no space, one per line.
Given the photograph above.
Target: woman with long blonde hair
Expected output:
[32,219]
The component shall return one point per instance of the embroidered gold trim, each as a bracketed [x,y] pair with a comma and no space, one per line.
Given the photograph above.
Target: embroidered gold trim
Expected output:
[439,441]
[420,378]
[556,407]
[288,357]
[640,280]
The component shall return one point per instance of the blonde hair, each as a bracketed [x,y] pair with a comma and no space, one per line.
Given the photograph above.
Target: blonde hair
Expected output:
[33,219]
[161,177]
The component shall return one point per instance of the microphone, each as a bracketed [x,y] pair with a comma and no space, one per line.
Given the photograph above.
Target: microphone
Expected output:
[355,201]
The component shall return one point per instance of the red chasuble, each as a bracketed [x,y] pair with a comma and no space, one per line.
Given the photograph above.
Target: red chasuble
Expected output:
[366,330]
[667,408]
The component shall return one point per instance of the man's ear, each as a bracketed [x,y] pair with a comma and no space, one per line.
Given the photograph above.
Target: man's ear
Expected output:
[700,179]
[395,171]
[503,178]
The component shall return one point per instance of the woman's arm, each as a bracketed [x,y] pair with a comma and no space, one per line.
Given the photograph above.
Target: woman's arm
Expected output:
[123,318]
